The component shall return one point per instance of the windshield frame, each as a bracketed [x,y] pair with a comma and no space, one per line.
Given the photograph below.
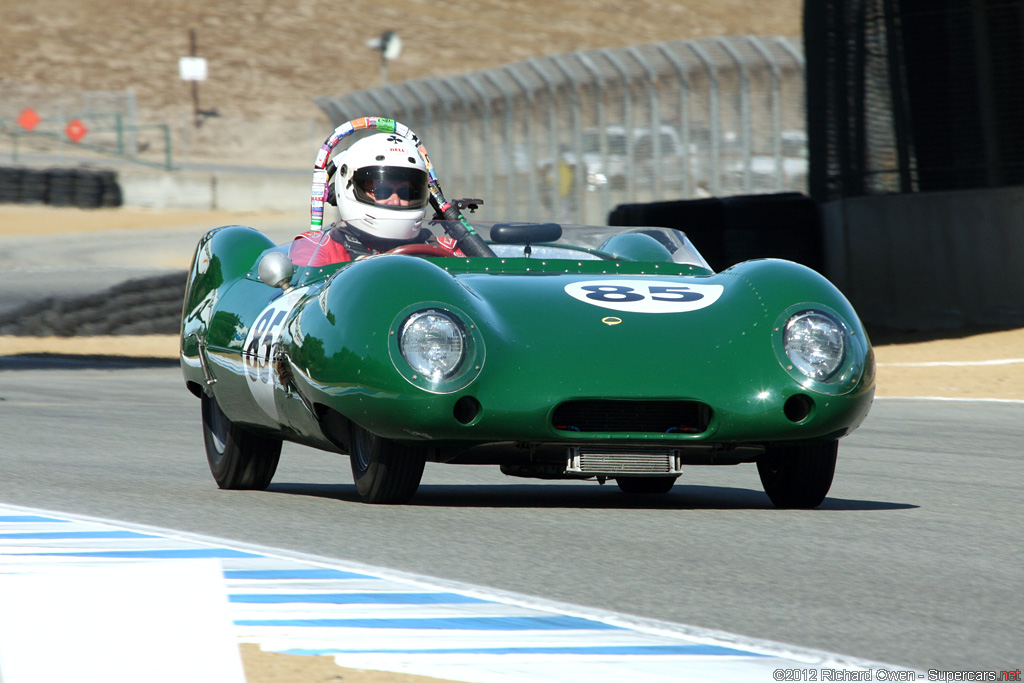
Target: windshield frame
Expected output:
[577,242]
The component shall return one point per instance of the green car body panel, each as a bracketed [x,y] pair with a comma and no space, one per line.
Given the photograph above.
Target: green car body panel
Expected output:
[634,327]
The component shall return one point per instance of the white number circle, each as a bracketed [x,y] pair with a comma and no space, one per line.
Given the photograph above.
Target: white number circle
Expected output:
[645,296]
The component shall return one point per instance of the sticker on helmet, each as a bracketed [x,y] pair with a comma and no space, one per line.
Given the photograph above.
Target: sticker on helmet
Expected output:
[645,296]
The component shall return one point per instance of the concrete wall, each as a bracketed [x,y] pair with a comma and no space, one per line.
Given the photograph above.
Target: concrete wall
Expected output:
[216,190]
[930,261]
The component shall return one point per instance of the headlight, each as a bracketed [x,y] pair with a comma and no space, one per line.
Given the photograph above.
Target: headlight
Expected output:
[815,343]
[432,343]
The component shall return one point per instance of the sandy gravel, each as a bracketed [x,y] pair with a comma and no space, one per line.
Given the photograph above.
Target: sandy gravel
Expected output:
[28,220]
[269,60]
[273,667]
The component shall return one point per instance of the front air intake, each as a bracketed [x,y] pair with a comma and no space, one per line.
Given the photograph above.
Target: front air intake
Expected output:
[612,460]
[651,417]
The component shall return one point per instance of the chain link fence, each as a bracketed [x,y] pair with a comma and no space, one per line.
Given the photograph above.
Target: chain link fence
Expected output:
[121,131]
[48,124]
[569,137]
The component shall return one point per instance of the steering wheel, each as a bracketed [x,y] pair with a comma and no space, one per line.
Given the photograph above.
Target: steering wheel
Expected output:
[420,249]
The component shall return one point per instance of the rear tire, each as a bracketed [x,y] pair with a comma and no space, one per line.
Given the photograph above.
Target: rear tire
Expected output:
[384,471]
[798,476]
[238,459]
[646,484]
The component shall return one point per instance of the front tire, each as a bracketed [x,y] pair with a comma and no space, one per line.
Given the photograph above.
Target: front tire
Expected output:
[645,484]
[384,471]
[238,459]
[798,476]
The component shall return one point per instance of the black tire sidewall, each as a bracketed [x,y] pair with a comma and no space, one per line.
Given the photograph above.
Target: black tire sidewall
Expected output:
[247,461]
[384,471]
[219,459]
[365,457]
[798,476]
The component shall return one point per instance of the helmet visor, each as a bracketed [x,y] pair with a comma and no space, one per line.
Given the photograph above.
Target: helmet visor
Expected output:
[391,186]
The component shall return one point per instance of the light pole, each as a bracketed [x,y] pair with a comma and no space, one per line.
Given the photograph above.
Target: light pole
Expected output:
[193,68]
[390,46]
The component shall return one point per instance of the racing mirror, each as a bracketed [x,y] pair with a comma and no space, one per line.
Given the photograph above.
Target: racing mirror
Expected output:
[525,233]
[276,270]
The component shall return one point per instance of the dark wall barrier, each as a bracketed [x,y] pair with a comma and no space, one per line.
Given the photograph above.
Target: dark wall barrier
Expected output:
[932,260]
[82,188]
[728,230]
[913,96]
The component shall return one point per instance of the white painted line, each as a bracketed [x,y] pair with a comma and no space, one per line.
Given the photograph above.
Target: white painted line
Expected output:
[950,399]
[371,617]
[953,363]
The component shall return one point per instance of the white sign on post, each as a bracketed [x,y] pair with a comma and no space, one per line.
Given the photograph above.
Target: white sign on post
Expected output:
[192,68]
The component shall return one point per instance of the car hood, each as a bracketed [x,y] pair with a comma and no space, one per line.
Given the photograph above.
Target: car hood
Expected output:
[540,333]
[601,330]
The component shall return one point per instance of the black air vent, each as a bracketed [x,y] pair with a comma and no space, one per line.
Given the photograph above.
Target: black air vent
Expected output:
[659,417]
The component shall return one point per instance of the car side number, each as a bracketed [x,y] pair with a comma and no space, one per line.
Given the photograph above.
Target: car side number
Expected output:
[258,348]
[256,356]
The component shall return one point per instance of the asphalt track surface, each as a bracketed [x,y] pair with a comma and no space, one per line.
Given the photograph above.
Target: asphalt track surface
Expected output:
[914,559]
[35,266]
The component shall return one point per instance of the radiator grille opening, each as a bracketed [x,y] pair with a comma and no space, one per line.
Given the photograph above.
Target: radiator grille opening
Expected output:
[656,417]
[612,460]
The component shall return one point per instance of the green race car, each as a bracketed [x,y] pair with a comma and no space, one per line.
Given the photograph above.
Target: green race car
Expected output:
[564,352]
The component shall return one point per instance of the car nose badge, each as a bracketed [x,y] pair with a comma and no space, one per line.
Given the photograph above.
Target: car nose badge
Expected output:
[611,320]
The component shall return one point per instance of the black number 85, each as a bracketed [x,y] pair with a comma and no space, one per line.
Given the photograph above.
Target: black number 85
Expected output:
[623,294]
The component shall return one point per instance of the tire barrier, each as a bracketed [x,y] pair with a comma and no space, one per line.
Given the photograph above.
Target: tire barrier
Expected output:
[729,230]
[81,188]
[60,190]
[10,184]
[34,186]
[140,306]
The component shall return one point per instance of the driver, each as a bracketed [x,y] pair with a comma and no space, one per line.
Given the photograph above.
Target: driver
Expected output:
[380,189]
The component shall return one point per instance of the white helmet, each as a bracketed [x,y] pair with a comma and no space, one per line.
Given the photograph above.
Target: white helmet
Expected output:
[370,173]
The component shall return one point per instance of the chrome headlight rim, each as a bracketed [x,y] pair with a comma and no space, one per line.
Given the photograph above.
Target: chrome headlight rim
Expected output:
[829,338]
[461,373]
[850,367]
[414,330]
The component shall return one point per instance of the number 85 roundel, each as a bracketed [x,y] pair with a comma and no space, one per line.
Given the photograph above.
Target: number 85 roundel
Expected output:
[644,296]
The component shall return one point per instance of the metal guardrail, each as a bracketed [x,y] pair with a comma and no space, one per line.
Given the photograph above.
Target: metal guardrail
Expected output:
[109,117]
[571,136]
